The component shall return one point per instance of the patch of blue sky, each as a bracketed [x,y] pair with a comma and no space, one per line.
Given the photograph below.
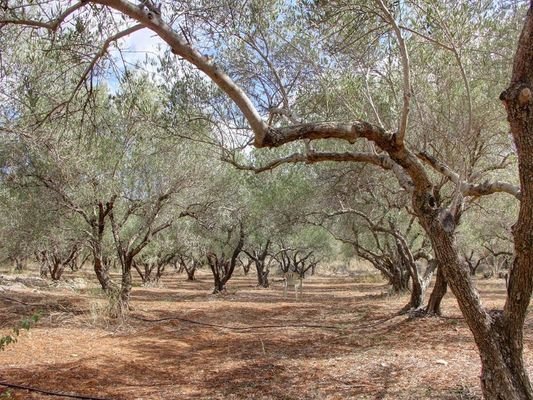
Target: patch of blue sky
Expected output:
[140,50]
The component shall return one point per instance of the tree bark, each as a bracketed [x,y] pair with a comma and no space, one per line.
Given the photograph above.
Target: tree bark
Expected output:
[222,268]
[190,276]
[191,269]
[399,280]
[262,274]
[97,223]
[190,273]
[56,269]
[102,272]
[417,295]
[126,283]
[220,286]
[246,266]
[258,257]
[439,290]
[503,375]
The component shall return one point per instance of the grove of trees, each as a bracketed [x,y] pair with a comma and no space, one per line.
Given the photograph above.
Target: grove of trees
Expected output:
[288,133]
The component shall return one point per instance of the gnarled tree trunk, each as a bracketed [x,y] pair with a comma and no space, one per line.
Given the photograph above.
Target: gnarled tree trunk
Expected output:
[191,270]
[101,269]
[96,242]
[503,375]
[439,290]
[396,274]
[258,257]
[262,274]
[126,282]
[223,268]
[419,282]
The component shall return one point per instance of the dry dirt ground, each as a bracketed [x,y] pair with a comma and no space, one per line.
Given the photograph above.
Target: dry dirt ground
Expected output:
[342,340]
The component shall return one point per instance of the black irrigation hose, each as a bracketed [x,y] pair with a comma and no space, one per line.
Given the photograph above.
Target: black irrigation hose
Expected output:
[247,328]
[239,328]
[51,393]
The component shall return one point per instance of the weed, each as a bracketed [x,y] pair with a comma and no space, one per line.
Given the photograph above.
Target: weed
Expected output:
[24,324]
[110,312]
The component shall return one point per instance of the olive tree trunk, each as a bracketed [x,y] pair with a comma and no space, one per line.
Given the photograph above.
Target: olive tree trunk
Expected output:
[439,290]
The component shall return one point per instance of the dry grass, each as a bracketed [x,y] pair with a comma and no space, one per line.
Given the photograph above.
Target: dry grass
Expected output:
[356,348]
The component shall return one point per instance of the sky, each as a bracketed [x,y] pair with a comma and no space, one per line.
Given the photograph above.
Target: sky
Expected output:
[142,42]
[134,49]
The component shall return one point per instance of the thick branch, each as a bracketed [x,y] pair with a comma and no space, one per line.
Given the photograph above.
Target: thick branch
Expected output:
[351,132]
[276,137]
[183,49]
[382,161]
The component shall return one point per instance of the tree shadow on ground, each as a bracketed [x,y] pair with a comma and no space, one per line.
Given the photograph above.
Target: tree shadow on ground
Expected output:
[364,356]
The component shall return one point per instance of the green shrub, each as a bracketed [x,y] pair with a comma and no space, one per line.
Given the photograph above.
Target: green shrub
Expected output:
[24,324]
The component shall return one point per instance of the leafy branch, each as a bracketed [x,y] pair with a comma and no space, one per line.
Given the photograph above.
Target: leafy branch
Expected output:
[25,324]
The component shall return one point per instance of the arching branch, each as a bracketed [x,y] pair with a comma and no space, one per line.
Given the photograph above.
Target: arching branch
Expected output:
[381,160]
[182,48]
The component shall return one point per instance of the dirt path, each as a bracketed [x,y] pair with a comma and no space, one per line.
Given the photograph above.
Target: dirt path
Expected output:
[341,341]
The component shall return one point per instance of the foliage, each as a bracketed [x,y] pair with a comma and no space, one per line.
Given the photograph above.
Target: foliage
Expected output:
[24,325]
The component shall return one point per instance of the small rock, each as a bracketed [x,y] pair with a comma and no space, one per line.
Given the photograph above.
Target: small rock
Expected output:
[441,362]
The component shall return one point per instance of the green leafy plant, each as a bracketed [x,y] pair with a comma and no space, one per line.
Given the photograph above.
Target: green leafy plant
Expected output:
[25,324]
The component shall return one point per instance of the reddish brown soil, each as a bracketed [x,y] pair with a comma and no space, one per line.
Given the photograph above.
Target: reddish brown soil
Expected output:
[344,342]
